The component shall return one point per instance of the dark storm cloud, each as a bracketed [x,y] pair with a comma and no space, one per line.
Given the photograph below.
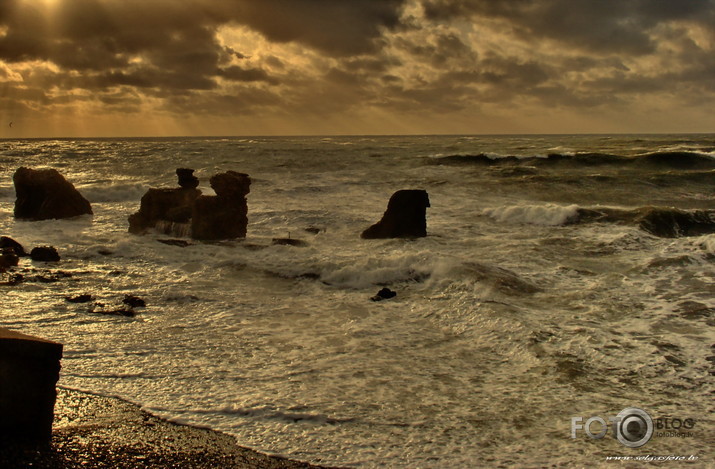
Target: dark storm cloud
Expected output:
[605,25]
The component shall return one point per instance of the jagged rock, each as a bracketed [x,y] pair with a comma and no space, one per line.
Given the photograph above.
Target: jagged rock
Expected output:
[187,180]
[405,216]
[167,205]
[225,215]
[231,184]
[44,194]
[6,242]
[44,254]
[124,310]
[384,294]
[29,371]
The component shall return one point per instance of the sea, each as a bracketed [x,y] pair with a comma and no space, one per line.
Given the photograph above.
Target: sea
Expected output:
[513,317]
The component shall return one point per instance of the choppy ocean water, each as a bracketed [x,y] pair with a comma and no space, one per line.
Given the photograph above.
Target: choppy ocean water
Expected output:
[512,316]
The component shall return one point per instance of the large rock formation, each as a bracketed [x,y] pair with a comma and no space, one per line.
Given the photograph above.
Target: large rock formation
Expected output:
[165,207]
[29,370]
[405,216]
[44,194]
[185,212]
[225,215]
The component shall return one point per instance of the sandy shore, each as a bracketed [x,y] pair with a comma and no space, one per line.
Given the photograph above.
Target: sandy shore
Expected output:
[93,431]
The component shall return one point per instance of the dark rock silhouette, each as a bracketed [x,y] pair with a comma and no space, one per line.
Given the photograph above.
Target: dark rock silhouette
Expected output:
[187,180]
[673,223]
[29,370]
[405,216]
[44,254]
[6,242]
[225,215]
[44,194]
[384,294]
[170,205]
[185,212]
[83,298]
[134,301]
[8,259]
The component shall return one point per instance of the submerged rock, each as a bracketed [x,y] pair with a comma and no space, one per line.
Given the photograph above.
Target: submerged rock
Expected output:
[673,223]
[289,242]
[84,298]
[44,194]
[405,216]
[8,259]
[134,301]
[384,294]
[45,254]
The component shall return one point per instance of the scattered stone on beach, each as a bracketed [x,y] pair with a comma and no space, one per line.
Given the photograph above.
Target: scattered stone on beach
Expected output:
[29,371]
[289,242]
[44,194]
[134,301]
[405,216]
[9,243]
[187,180]
[83,298]
[44,254]
[225,215]
[384,294]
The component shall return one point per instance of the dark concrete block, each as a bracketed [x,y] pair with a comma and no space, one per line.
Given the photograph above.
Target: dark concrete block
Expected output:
[29,371]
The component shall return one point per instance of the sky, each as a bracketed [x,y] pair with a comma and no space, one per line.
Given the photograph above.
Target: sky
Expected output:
[90,68]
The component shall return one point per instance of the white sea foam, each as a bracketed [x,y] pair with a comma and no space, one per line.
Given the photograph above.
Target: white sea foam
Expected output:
[548,215]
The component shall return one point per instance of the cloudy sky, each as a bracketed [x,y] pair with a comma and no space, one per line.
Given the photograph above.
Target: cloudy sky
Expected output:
[260,67]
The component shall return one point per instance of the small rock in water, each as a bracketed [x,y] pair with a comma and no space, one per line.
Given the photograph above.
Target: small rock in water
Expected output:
[8,259]
[384,294]
[289,242]
[134,301]
[6,242]
[84,298]
[125,310]
[187,180]
[45,254]
[313,230]
[175,242]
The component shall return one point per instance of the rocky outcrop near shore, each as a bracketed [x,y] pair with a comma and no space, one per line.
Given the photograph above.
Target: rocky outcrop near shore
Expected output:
[167,206]
[225,215]
[405,216]
[183,211]
[44,194]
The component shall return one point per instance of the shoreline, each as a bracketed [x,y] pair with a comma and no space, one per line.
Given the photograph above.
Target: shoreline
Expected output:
[90,431]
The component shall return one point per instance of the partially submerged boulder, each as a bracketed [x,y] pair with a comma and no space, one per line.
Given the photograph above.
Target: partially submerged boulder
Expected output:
[44,194]
[185,212]
[167,205]
[405,216]
[44,254]
[225,215]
